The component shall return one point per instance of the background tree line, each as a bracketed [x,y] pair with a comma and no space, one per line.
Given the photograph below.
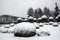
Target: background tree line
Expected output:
[38,12]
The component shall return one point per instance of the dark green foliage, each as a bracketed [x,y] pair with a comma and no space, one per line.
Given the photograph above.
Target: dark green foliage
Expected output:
[24,34]
[30,20]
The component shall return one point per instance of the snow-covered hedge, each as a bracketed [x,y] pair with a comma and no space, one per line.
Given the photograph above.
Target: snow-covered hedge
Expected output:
[12,24]
[24,29]
[51,23]
[44,18]
[30,19]
[55,24]
[5,28]
[42,33]
[25,20]
[34,20]
[41,25]
[39,19]
[51,19]
[19,20]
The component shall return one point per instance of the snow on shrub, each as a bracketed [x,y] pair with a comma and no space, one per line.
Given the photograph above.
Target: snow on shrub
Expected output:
[51,23]
[30,19]
[42,33]
[44,18]
[12,24]
[55,24]
[26,20]
[24,29]
[41,25]
[5,29]
[34,20]
[39,20]
[51,19]
[6,26]
[19,20]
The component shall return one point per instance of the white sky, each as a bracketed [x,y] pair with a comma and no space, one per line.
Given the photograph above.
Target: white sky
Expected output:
[20,7]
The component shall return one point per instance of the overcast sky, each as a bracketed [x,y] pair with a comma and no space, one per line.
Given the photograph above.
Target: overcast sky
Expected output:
[20,7]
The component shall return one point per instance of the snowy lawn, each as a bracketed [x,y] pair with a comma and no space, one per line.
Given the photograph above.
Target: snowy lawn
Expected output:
[54,34]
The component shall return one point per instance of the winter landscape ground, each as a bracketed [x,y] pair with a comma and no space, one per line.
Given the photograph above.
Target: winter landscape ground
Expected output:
[54,34]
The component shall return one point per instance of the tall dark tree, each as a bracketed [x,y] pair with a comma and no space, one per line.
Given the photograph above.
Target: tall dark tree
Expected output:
[56,10]
[38,13]
[47,11]
[30,12]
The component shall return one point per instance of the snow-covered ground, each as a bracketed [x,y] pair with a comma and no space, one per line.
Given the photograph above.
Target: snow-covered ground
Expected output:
[54,34]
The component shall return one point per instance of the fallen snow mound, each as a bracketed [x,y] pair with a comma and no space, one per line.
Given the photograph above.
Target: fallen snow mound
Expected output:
[24,29]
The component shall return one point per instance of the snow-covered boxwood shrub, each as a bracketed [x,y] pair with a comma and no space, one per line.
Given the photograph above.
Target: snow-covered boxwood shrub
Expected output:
[51,19]
[19,20]
[30,19]
[41,25]
[25,20]
[55,24]
[39,20]
[24,29]
[12,24]
[51,23]
[34,20]
[44,18]
[42,33]
[5,28]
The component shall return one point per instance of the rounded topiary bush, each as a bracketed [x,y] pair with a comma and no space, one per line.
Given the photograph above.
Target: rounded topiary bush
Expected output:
[24,29]
[34,20]
[51,19]
[30,19]
[19,20]
[44,18]
[25,20]
[39,20]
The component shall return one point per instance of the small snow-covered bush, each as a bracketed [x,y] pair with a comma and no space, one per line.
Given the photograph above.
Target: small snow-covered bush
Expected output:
[39,20]
[51,19]
[5,28]
[43,33]
[12,24]
[26,20]
[55,24]
[51,23]
[41,25]
[30,19]
[24,29]
[34,20]
[19,20]
[44,18]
